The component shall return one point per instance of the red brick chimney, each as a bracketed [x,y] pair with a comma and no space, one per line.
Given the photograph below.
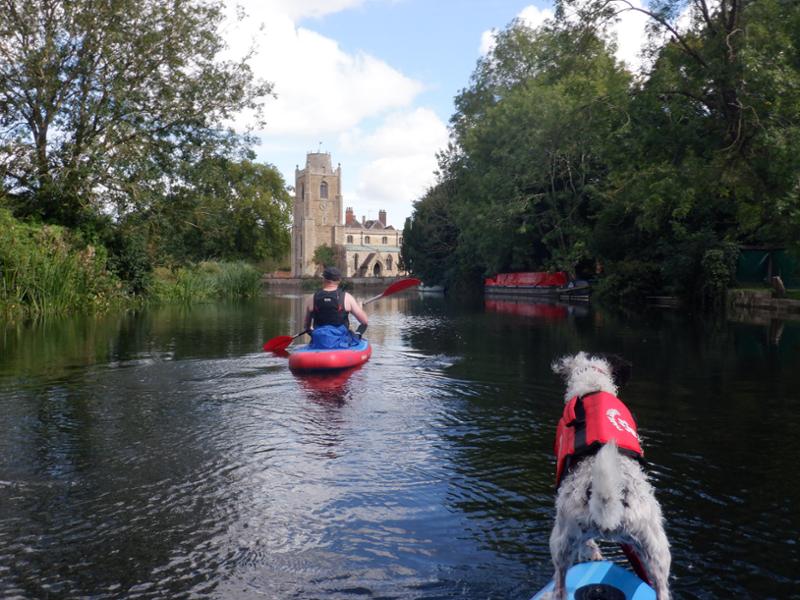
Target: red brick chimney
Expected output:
[382,217]
[349,217]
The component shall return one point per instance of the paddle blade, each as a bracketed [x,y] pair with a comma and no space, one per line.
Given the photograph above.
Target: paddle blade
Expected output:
[401,285]
[397,286]
[278,343]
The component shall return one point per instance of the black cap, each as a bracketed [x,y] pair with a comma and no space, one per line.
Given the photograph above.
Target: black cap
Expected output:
[332,274]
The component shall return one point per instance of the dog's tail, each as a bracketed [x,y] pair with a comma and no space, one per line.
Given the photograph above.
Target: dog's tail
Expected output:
[605,504]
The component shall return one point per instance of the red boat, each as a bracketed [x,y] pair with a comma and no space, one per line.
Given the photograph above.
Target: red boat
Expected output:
[537,283]
[311,359]
[523,308]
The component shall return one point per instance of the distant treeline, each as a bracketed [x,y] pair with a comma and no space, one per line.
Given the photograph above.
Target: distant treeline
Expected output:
[115,153]
[563,159]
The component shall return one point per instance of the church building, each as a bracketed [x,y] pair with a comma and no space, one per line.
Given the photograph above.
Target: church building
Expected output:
[362,248]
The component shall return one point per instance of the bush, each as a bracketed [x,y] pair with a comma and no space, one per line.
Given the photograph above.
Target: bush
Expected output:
[630,283]
[44,270]
[205,282]
[238,280]
[130,261]
[718,266]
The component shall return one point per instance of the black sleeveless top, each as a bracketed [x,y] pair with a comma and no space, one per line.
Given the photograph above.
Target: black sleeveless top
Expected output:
[329,308]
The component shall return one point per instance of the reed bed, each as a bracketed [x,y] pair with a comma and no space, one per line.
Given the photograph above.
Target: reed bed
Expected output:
[205,282]
[44,271]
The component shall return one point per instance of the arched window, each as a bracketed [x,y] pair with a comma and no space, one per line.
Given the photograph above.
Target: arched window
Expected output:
[366,239]
[400,240]
[389,263]
[384,240]
[355,263]
[323,189]
[349,239]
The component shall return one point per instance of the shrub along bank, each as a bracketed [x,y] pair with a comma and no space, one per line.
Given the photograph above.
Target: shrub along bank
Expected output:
[204,282]
[51,270]
[44,269]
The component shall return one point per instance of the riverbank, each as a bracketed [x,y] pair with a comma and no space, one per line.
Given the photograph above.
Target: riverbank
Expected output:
[275,282]
[762,301]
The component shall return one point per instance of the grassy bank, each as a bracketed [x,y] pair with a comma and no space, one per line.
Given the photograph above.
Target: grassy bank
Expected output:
[48,270]
[204,282]
[44,269]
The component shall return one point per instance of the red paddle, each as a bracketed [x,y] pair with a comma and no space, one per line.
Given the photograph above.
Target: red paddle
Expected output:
[397,286]
[282,342]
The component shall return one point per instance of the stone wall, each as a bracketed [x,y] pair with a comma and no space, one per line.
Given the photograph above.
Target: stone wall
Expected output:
[297,282]
[762,301]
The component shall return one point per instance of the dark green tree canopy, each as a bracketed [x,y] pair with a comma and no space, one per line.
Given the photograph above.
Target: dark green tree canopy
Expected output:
[561,159]
[102,103]
[229,210]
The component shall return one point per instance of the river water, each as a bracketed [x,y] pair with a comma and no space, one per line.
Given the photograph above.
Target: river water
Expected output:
[164,455]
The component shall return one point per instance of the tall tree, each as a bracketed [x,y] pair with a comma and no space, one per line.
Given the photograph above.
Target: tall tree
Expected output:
[711,158]
[430,236]
[101,101]
[531,132]
[230,210]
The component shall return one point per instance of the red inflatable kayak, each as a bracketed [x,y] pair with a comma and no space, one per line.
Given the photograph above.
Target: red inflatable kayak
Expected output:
[310,359]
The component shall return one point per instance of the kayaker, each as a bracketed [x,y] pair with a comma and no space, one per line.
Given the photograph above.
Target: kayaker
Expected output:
[328,311]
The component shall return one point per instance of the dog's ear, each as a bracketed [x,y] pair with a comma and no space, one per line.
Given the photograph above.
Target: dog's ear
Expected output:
[563,366]
[620,368]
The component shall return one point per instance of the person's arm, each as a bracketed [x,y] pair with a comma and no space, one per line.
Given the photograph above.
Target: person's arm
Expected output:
[309,310]
[353,307]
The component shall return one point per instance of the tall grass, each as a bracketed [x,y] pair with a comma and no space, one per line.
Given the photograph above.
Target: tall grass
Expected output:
[43,270]
[205,282]
[238,280]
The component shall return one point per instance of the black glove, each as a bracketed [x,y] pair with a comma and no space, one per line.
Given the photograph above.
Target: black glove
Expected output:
[361,329]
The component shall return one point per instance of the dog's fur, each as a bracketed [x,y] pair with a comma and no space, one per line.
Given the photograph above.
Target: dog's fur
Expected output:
[606,496]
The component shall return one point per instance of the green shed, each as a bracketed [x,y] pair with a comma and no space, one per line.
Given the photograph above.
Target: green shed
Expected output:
[757,264]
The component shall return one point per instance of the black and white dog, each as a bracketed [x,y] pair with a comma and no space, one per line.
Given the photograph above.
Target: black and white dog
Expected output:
[603,491]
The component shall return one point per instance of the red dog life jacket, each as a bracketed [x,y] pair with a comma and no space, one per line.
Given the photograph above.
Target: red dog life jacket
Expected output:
[587,423]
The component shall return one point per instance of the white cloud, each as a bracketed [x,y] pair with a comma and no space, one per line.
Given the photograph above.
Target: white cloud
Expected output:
[394,182]
[319,87]
[488,41]
[401,162]
[298,9]
[631,36]
[629,31]
[351,104]
[532,16]
[400,134]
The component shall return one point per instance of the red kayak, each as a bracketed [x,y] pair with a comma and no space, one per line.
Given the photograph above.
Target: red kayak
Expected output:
[311,359]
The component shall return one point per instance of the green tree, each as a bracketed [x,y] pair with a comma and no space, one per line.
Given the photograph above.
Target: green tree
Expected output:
[230,210]
[324,256]
[710,160]
[430,237]
[102,103]
[530,134]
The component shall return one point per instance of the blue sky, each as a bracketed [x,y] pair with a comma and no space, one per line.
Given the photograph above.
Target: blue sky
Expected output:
[370,81]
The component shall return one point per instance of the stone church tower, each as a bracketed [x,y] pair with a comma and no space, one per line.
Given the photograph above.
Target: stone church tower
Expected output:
[365,248]
[317,209]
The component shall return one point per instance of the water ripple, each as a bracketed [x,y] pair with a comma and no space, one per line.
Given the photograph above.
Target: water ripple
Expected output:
[188,463]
